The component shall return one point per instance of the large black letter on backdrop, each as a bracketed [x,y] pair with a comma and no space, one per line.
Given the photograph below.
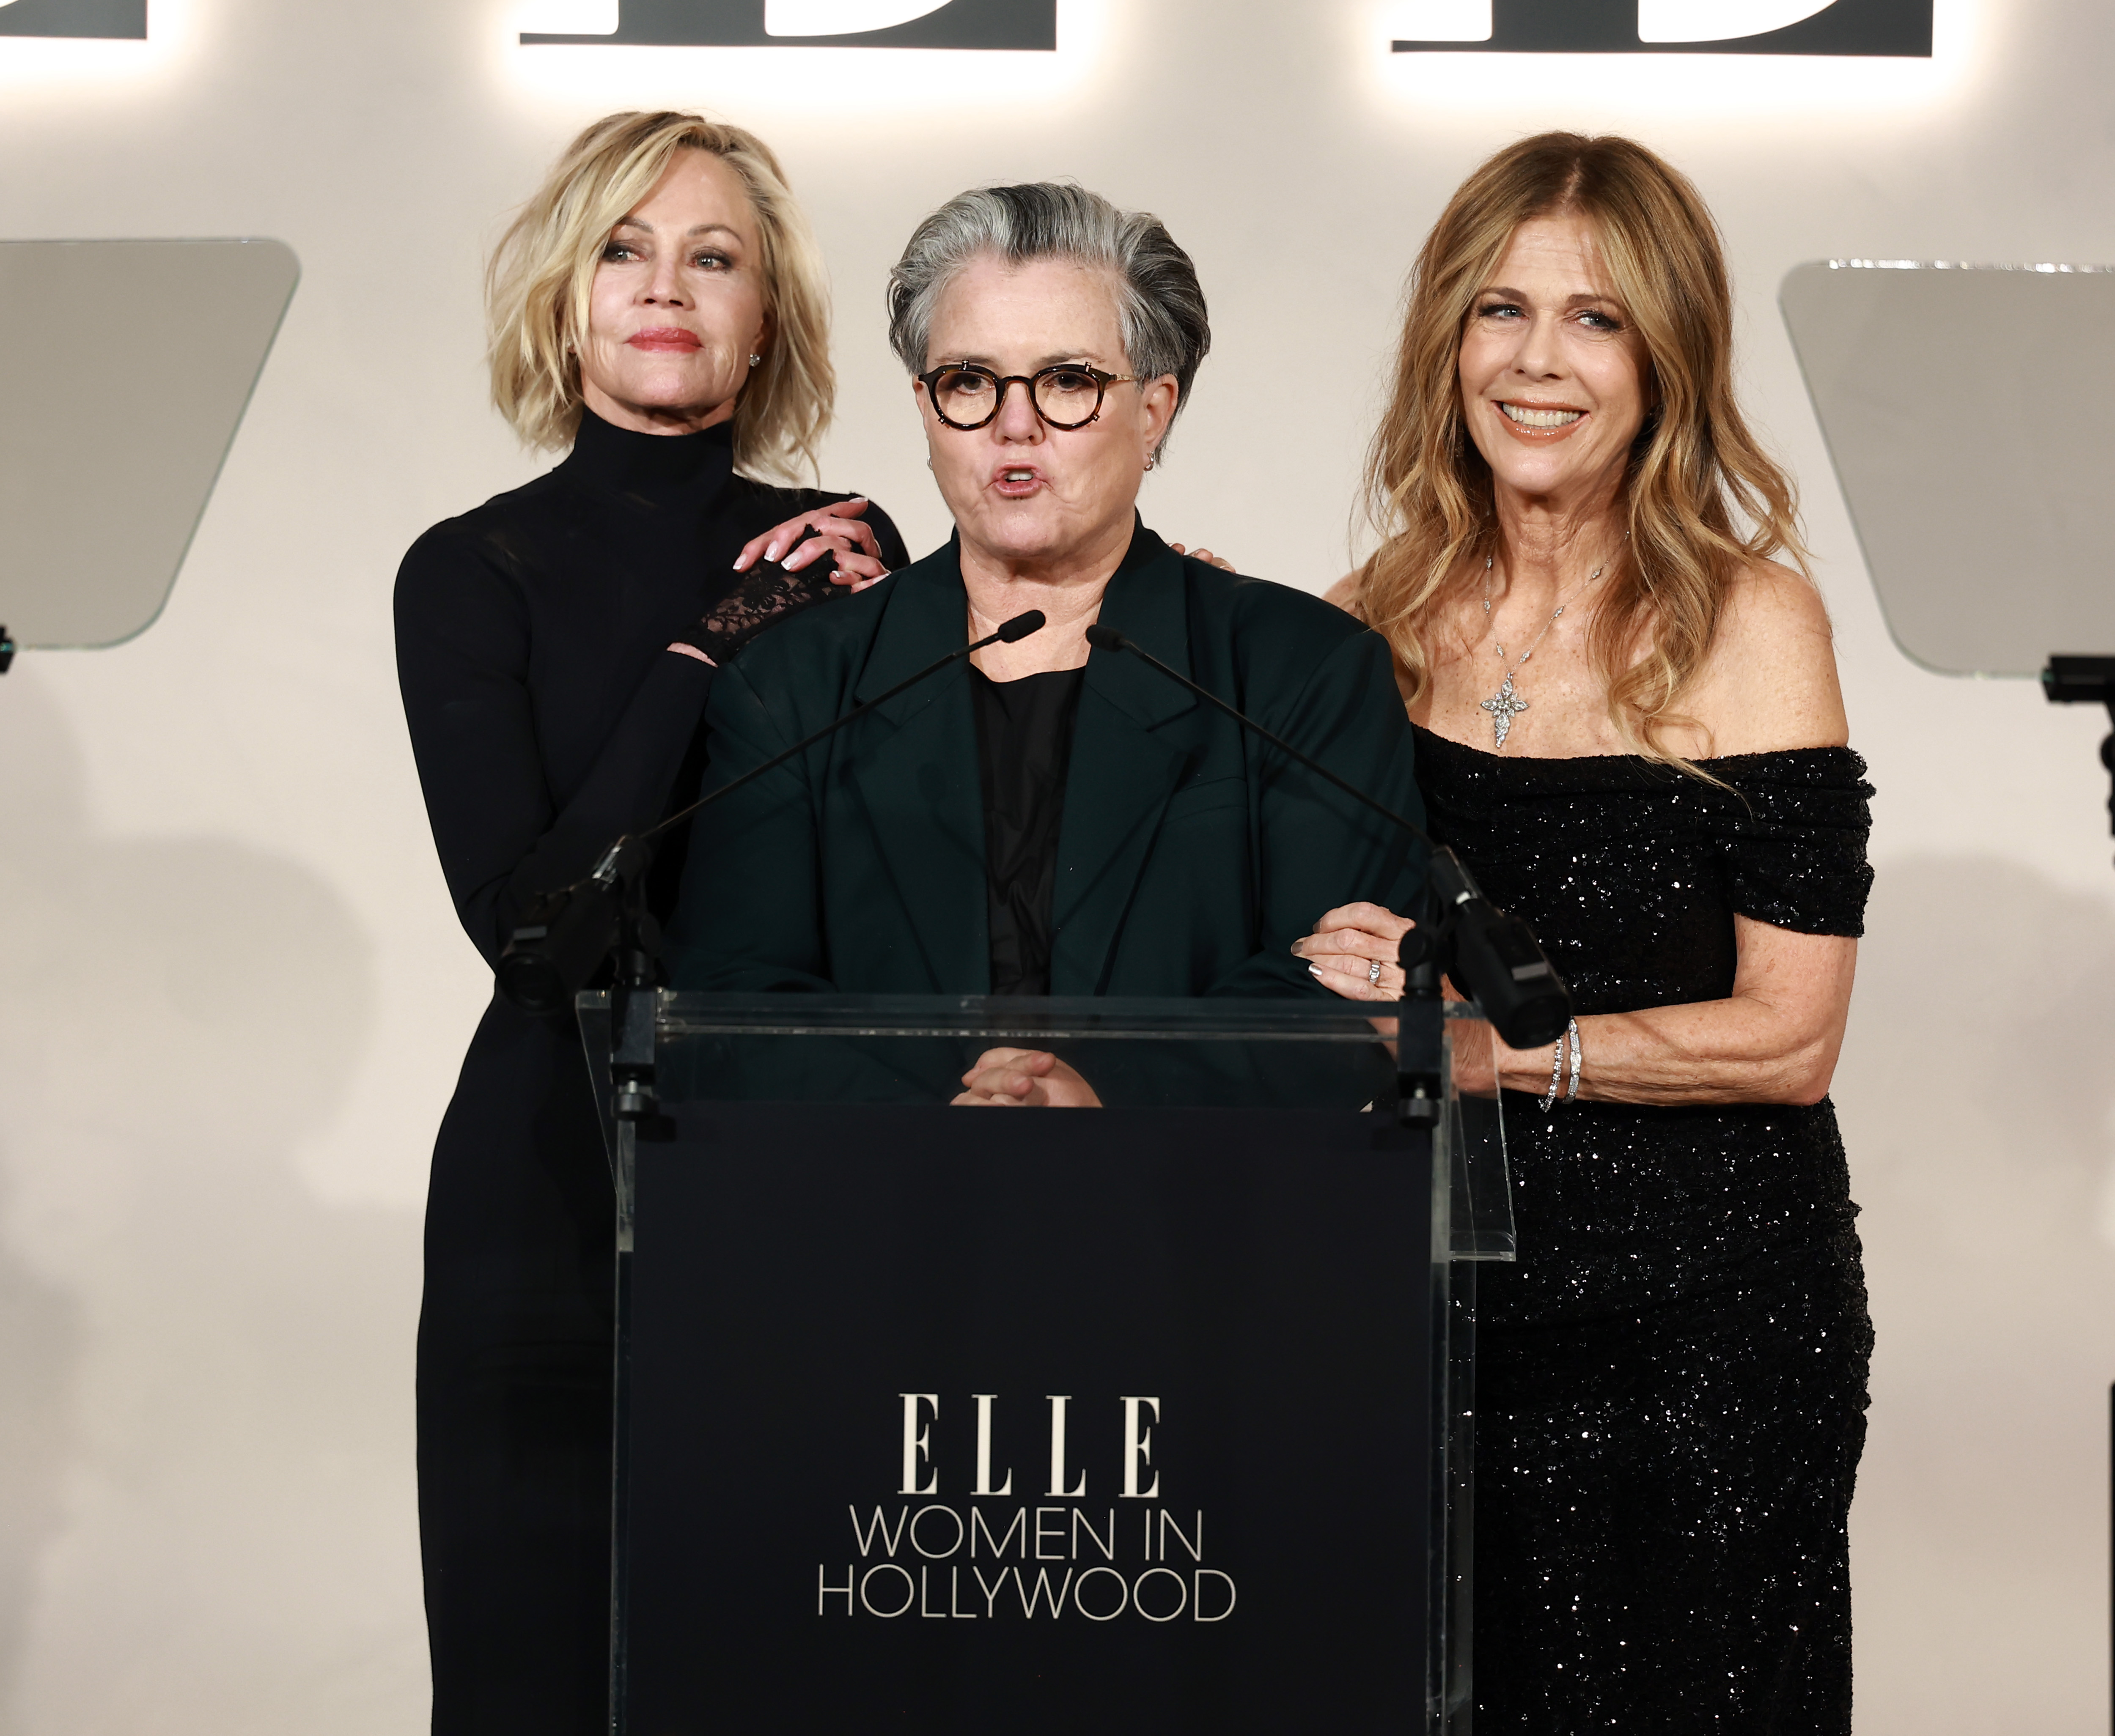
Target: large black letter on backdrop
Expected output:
[1865,27]
[739,24]
[125,19]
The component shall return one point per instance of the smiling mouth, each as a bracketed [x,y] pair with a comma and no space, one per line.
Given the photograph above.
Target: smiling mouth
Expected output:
[1526,416]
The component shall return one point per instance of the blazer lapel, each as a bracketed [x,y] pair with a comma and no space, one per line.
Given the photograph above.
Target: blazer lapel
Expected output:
[1122,773]
[915,766]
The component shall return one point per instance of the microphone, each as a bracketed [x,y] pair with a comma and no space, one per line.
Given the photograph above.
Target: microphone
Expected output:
[569,932]
[564,936]
[1494,956]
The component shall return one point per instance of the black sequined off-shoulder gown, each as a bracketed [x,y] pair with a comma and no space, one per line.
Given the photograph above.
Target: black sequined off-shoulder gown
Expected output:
[1670,1382]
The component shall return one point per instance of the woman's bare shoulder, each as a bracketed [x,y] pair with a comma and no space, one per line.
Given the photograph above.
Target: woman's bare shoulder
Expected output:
[1769,597]
[1345,593]
[1770,680]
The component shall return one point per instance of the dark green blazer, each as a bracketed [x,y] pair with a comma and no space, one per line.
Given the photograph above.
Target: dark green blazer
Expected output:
[1191,854]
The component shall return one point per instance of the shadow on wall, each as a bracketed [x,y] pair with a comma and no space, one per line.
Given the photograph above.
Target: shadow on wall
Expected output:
[1977,1092]
[40,1346]
[206,1500]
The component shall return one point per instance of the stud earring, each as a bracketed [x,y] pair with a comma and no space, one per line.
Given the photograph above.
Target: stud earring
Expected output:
[756,361]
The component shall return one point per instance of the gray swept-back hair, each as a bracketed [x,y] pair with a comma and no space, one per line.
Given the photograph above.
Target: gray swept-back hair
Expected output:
[1160,306]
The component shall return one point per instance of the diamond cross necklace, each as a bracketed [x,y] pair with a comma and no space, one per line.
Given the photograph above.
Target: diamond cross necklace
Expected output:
[1508,702]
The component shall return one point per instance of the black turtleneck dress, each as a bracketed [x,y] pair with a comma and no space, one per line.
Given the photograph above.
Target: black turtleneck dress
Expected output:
[547,717]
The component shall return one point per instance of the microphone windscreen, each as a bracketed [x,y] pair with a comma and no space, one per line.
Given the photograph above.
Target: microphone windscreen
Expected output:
[1104,639]
[1012,632]
[550,959]
[1498,960]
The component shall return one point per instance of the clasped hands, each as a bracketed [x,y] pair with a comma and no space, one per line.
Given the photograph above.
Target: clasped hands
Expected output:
[1024,1078]
[840,531]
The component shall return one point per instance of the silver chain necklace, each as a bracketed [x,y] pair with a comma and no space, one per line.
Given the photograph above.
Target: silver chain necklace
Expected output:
[1508,703]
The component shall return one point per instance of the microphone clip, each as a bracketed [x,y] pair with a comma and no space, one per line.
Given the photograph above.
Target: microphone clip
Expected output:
[2086,680]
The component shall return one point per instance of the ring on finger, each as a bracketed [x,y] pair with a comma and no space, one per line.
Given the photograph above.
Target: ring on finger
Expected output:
[1373,974]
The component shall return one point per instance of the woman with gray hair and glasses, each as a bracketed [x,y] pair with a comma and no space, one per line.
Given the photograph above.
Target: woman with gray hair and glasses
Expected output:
[1052,818]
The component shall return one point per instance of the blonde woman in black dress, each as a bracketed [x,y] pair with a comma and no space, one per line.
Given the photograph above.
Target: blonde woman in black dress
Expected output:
[1629,722]
[659,314]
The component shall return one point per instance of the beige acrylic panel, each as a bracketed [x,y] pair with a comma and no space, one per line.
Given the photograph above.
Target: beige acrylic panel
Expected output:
[126,366]
[1970,412]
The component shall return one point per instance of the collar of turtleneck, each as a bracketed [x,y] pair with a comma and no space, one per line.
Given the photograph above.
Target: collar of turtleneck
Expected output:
[663,469]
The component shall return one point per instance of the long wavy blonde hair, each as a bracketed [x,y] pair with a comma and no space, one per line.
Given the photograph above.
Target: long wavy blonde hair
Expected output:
[1702,497]
[539,277]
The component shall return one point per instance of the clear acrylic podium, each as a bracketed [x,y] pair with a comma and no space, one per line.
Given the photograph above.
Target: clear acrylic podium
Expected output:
[1148,1417]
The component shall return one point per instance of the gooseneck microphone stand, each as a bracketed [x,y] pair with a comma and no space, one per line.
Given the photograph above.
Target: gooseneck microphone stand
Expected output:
[566,934]
[1494,956]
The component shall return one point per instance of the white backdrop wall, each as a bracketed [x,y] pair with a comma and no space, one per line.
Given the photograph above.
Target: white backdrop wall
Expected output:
[233,995]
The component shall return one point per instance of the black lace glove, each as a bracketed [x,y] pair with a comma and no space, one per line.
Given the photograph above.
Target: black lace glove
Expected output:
[767,593]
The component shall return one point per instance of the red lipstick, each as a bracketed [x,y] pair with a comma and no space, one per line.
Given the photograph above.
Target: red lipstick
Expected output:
[670,339]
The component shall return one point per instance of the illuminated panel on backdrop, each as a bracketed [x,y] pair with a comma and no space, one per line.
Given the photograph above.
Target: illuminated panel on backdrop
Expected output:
[1854,27]
[751,24]
[123,19]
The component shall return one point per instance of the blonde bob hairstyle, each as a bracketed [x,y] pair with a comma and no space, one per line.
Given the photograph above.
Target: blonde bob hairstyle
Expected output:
[1702,499]
[539,277]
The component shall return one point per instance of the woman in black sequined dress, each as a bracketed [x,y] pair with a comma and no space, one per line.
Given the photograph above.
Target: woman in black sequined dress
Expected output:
[1630,726]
